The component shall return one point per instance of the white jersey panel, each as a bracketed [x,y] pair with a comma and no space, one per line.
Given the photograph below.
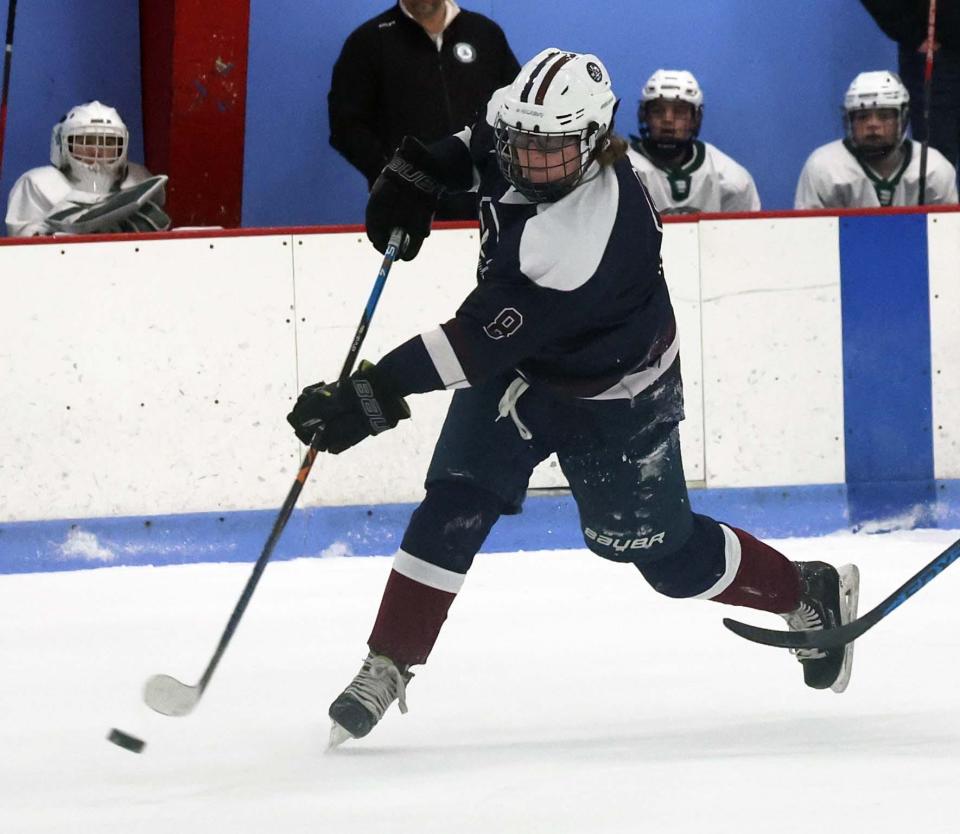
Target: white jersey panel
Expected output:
[717,183]
[833,178]
[41,191]
[554,252]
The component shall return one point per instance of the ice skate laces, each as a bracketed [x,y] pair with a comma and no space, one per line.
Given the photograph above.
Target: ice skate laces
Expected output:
[508,405]
[805,618]
[378,683]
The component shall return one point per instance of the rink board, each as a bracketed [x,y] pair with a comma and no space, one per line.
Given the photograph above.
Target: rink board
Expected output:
[144,380]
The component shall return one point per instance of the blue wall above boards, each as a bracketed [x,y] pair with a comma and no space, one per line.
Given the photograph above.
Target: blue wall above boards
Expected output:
[65,54]
[773,74]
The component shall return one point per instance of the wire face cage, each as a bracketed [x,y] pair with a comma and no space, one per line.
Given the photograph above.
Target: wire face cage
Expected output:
[543,167]
[93,145]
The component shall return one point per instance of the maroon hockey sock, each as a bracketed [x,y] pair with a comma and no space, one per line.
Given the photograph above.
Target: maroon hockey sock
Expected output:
[409,621]
[766,579]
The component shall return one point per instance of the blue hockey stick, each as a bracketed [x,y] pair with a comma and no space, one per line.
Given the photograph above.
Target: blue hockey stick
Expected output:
[830,638]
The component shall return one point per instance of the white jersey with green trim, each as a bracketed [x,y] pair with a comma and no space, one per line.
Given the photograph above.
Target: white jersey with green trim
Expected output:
[709,181]
[834,178]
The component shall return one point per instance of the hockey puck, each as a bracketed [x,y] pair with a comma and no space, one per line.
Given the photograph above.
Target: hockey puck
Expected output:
[125,740]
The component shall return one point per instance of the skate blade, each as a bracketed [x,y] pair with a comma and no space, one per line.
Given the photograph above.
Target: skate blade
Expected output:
[849,601]
[338,736]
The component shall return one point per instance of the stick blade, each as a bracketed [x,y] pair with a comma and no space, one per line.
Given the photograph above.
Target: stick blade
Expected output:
[828,638]
[168,696]
[768,636]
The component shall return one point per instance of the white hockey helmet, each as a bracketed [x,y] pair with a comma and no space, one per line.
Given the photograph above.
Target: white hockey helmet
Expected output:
[559,100]
[671,85]
[880,90]
[89,145]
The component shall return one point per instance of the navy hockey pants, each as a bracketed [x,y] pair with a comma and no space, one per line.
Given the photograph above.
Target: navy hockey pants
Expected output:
[620,457]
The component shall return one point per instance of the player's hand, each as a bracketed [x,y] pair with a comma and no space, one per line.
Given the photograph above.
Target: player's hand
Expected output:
[405,195]
[340,415]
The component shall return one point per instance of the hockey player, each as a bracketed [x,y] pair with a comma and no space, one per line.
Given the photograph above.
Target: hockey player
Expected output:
[683,174]
[875,164]
[89,166]
[568,344]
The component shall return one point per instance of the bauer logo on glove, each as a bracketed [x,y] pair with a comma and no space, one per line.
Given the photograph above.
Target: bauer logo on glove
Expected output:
[334,417]
[404,196]
[414,176]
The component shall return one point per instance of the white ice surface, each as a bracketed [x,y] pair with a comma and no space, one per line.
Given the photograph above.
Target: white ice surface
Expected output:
[563,696]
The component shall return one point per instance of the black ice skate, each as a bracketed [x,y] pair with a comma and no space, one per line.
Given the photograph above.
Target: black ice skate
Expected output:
[362,704]
[828,598]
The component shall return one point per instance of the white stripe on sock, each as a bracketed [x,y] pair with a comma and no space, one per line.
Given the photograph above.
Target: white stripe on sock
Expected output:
[731,551]
[426,574]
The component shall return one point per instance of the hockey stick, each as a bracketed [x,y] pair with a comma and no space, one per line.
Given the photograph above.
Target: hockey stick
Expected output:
[7,61]
[927,83]
[166,694]
[831,638]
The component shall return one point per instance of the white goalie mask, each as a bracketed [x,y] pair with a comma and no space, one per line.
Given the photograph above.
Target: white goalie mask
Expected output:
[89,145]
[881,90]
[671,85]
[552,121]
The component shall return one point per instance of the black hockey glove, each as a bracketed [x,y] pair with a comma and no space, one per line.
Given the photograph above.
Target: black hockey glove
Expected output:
[345,413]
[405,195]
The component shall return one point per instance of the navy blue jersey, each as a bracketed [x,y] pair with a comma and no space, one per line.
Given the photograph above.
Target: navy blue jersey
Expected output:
[570,294]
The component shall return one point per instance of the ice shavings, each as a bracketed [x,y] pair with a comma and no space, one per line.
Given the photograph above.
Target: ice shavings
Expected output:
[904,521]
[81,544]
[335,551]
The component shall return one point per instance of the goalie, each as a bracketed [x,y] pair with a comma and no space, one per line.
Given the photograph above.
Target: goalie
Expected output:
[90,187]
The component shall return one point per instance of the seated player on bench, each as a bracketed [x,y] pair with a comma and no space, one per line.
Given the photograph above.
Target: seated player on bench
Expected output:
[90,187]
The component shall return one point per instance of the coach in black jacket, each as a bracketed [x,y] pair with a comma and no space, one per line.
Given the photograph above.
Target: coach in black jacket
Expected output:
[422,68]
[905,21]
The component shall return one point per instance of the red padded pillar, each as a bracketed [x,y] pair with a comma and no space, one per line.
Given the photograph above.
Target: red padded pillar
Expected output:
[193,56]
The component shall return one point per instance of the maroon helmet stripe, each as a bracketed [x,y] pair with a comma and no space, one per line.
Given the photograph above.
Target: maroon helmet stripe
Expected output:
[525,95]
[551,74]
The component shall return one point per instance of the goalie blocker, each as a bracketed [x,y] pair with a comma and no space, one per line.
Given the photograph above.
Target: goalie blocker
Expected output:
[133,209]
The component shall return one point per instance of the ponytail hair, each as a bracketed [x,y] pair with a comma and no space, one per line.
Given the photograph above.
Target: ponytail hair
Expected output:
[613,147]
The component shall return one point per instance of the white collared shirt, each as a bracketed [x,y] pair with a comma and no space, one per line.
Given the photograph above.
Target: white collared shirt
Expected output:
[452,11]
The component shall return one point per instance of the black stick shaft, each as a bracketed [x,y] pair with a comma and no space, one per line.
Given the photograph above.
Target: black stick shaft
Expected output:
[396,239]
[927,85]
[7,61]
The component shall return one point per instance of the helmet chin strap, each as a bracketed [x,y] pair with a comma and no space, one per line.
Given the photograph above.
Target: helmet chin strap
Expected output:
[667,151]
[875,152]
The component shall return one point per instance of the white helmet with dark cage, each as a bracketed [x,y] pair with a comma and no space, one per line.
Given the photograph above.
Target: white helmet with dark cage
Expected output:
[671,85]
[880,90]
[89,145]
[552,121]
